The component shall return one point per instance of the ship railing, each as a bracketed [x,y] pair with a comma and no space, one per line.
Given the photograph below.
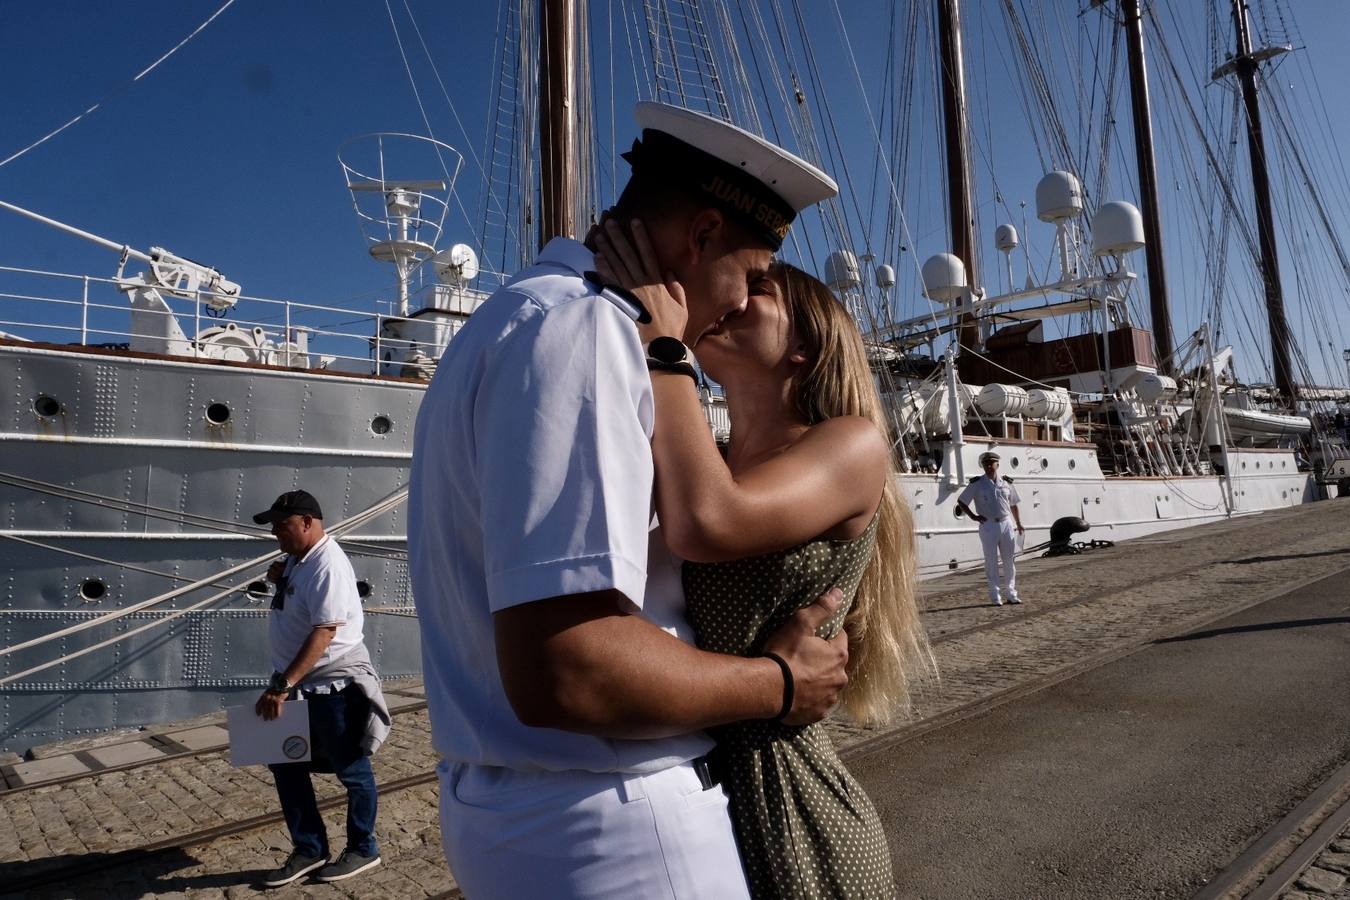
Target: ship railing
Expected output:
[64,308]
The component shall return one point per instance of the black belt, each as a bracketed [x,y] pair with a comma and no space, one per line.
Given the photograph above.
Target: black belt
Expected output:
[703,767]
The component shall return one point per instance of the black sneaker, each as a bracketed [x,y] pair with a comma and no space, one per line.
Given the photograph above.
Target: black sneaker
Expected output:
[347,865]
[295,866]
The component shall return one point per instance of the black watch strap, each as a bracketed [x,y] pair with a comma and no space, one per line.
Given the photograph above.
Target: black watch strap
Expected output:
[683,368]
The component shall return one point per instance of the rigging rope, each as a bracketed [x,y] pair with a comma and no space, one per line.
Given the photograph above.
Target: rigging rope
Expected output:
[151,511]
[378,509]
[119,90]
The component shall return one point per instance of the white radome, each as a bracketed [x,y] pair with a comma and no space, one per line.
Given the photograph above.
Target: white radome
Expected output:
[456,266]
[841,270]
[1059,196]
[1117,228]
[944,277]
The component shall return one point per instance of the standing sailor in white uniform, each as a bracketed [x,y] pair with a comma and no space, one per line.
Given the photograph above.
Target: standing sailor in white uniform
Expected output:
[566,699]
[996,502]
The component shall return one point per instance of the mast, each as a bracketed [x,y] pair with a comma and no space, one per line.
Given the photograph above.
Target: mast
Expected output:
[958,156]
[557,120]
[1151,209]
[1246,64]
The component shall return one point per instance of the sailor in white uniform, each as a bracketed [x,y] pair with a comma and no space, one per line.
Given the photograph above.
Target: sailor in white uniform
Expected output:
[995,502]
[565,699]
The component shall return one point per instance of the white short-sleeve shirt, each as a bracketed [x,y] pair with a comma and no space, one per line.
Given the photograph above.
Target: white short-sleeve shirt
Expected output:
[320,590]
[994,499]
[531,479]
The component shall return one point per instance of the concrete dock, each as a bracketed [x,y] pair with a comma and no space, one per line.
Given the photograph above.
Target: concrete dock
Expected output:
[1136,726]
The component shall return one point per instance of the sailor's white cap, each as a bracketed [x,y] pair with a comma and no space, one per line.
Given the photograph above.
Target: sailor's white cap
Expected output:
[761,181]
[988,455]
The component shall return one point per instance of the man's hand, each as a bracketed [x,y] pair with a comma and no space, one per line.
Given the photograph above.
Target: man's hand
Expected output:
[269,705]
[817,664]
[275,570]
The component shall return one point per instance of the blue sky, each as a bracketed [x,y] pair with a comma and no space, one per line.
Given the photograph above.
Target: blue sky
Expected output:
[226,153]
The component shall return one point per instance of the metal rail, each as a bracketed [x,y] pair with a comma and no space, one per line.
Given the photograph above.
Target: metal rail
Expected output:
[1271,850]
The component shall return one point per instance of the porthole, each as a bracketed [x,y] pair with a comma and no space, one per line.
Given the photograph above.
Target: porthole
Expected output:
[1045,463]
[1284,464]
[381,425]
[363,589]
[258,589]
[46,407]
[217,414]
[1244,464]
[1015,462]
[1073,464]
[92,589]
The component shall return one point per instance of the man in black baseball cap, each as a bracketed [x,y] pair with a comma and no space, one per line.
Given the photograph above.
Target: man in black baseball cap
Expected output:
[316,635]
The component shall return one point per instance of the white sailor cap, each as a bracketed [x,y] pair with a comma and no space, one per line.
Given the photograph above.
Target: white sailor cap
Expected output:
[762,185]
[987,456]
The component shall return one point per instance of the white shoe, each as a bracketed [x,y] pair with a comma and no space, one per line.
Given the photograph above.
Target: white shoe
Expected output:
[998,601]
[1015,600]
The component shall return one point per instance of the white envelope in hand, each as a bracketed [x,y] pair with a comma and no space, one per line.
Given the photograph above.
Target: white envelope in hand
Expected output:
[254,742]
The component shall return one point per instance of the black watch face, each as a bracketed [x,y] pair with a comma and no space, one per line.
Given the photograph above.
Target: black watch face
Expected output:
[667,350]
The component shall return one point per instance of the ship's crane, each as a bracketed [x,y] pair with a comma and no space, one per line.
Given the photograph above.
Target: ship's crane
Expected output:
[154,327]
[169,272]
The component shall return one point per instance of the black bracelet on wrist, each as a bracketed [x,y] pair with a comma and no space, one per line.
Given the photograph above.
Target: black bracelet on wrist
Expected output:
[683,368]
[789,686]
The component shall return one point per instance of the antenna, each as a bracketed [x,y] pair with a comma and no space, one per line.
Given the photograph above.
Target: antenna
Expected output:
[401,218]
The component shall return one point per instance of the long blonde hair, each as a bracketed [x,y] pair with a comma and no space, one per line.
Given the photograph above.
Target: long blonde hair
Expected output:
[888,649]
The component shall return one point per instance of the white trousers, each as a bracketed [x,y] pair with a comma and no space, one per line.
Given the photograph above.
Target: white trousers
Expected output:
[525,835]
[999,539]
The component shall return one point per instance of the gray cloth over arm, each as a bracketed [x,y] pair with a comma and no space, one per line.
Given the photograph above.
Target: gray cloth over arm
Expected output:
[356,664]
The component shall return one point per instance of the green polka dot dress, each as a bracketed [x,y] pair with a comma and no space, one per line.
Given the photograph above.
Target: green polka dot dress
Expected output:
[804,826]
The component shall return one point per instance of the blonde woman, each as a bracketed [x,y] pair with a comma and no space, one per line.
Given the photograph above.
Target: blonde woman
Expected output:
[803,500]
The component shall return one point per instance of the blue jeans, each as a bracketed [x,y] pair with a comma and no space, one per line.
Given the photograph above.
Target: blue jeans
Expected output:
[336,724]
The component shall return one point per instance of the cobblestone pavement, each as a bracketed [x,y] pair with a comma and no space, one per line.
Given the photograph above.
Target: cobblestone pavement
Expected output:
[1328,876]
[1128,593]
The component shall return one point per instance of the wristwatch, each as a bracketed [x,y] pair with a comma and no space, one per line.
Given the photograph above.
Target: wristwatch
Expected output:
[278,684]
[668,350]
[668,354]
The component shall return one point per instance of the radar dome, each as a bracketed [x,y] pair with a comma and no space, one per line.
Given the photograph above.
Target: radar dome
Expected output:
[885,276]
[1059,196]
[1005,238]
[1117,228]
[457,266]
[841,270]
[944,277]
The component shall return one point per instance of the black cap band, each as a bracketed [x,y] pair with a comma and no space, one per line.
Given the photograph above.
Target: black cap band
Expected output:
[716,182]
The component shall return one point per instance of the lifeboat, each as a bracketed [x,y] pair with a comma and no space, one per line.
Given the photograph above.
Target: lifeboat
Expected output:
[1255,423]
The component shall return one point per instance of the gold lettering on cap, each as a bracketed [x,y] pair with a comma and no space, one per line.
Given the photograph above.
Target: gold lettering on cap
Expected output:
[730,194]
[736,198]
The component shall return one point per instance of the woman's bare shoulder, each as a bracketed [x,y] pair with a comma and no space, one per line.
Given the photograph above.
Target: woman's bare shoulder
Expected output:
[849,435]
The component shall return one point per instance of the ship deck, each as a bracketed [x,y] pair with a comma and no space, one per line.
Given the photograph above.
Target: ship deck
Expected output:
[161,812]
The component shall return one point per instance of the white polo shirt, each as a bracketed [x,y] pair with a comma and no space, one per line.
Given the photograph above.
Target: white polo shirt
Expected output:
[994,499]
[320,590]
[531,479]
